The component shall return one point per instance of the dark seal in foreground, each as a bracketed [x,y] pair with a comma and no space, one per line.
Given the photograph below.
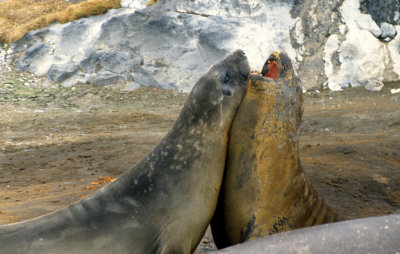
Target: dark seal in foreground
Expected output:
[367,235]
[165,202]
[265,190]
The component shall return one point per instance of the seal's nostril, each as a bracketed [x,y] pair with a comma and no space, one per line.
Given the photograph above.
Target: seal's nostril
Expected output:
[240,53]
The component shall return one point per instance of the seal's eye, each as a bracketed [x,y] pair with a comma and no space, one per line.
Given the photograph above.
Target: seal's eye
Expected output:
[227,78]
[226,84]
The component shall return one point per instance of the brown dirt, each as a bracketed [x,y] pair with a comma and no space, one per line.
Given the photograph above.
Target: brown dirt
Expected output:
[350,150]
[59,145]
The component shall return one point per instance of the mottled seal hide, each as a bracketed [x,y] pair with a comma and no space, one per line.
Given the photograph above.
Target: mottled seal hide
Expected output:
[165,202]
[264,190]
[367,235]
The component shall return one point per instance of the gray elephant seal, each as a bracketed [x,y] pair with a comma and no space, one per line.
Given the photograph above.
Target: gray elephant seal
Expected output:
[367,235]
[165,202]
[265,190]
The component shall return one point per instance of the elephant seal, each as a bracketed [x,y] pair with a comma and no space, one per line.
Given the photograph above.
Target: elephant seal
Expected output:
[368,235]
[166,201]
[264,190]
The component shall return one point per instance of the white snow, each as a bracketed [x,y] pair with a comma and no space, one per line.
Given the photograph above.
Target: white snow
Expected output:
[259,28]
[331,46]
[270,33]
[393,48]
[134,4]
[72,49]
[387,30]
[299,38]
[362,56]
[393,91]
[342,28]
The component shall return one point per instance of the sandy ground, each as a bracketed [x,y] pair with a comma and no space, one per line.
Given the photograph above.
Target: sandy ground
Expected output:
[59,145]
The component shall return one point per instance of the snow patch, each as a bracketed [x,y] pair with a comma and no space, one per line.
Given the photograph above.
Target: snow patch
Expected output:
[362,56]
[331,46]
[169,45]
[134,4]
[393,91]
[356,20]
[299,39]
[393,48]
[261,35]
[357,63]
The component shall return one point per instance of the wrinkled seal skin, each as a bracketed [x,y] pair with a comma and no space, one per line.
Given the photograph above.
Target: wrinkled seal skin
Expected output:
[264,190]
[367,235]
[166,201]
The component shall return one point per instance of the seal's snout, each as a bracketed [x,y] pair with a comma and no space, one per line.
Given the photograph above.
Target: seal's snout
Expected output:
[243,62]
[234,73]
[276,65]
[238,60]
[241,52]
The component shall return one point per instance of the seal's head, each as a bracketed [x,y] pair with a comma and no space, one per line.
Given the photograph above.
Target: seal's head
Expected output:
[280,87]
[234,70]
[277,64]
[220,91]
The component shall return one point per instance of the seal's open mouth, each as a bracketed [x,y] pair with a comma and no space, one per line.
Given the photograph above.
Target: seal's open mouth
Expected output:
[271,66]
[270,69]
[276,65]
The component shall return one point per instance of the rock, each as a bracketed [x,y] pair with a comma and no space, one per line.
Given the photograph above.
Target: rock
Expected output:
[374,85]
[388,31]
[106,78]
[351,63]
[170,43]
[119,62]
[90,62]
[32,55]
[61,72]
[365,22]
[142,78]
[345,149]
[382,10]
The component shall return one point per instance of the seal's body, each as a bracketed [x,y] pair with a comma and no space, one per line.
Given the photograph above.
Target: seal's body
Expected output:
[264,190]
[367,235]
[165,202]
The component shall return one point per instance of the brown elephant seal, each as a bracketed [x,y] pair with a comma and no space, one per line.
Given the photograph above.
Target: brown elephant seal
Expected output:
[166,201]
[367,235]
[264,190]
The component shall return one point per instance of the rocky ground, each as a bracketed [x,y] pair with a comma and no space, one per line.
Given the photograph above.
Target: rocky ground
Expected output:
[58,145]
